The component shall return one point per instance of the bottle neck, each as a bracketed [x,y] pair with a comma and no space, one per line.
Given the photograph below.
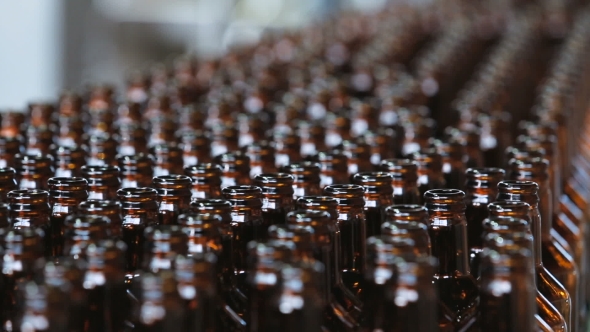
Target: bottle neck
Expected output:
[448,235]
[352,225]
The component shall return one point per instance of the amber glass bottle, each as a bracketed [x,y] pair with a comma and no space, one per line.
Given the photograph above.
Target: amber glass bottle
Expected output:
[552,287]
[140,210]
[352,225]
[262,157]
[163,243]
[174,197]
[448,234]
[9,148]
[82,230]
[430,172]
[102,150]
[206,178]
[481,188]
[405,180]
[453,153]
[167,159]
[136,170]
[277,192]
[307,178]
[68,160]
[7,182]
[160,306]
[236,168]
[103,181]
[108,209]
[334,167]
[31,209]
[196,147]
[33,171]
[408,221]
[65,194]
[378,195]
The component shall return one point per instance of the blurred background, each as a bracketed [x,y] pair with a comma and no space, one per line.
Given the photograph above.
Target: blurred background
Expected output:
[49,45]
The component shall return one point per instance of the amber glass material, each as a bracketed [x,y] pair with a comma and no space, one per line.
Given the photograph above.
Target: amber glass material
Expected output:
[454,158]
[108,209]
[103,181]
[353,230]
[378,195]
[405,180]
[163,243]
[196,148]
[288,147]
[235,168]
[358,153]
[30,209]
[68,160]
[82,230]
[33,171]
[102,150]
[430,172]
[140,210]
[334,167]
[392,274]
[131,139]
[448,234]
[167,159]
[160,307]
[481,188]
[4,221]
[550,285]
[9,148]
[277,192]
[204,234]
[136,170]
[23,252]
[307,178]
[262,157]
[65,193]
[7,182]
[408,221]
[174,197]
[206,180]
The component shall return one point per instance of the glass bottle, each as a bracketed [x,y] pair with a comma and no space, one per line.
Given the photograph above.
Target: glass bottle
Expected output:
[507,303]
[334,167]
[140,210]
[174,197]
[481,188]
[136,170]
[378,195]
[131,138]
[453,154]
[68,160]
[167,159]
[448,235]
[30,209]
[160,306]
[408,221]
[82,230]
[7,182]
[9,148]
[551,286]
[352,226]
[405,180]
[262,157]
[4,221]
[307,178]
[103,181]
[430,172]
[400,293]
[206,180]
[196,148]
[277,192]
[163,243]
[33,171]
[236,168]
[102,149]
[358,153]
[65,194]
[23,253]
[109,209]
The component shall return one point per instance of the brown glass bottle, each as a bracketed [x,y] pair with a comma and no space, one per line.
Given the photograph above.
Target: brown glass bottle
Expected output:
[204,235]
[196,148]
[378,195]
[23,253]
[400,293]
[140,210]
[167,159]
[163,243]
[358,153]
[136,170]
[68,160]
[549,285]
[9,148]
[448,235]
[405,180]
[352,225]
[334,167]
[277,192]
[174,197]
[453,154]
[131,138]
[43,308]
[65,194]
[408,221]
[307,178]
[262,157]
[160,307]
[82,230]
[103,181]
[507,303]
[102,150]
[507,218]
[430,175]
[109,209]
[31,209]
[236,168]
[7,182]
[481,188]
[247,224]
[206,180]
[33,171]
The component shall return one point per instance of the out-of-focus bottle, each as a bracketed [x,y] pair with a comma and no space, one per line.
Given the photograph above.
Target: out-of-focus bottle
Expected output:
[236,168]
[136,170]
[102,150]
[408,221]
[334,167]
[7,182]
[262,157]
[196,148]
[206,180]
[103,181]
[307,178]
[68,160]
[109,209]
[405,180]
[448,235]
[277,192]
[378,195]
[430,172]
[80,231]
[174,197]
[163,243]
[9,148]
[30,209]
[167,159]
[33,171]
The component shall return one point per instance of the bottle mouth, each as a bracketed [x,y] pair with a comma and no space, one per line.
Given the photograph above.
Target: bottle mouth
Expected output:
[172,181]
[334,159]
[7,172]
[89,171]
[500,208]
[242,191]
[71,183]
[99,205]
[236,158]
[523,152]
[204,170]
[344,190]
[505,224]
[445,200]
[26,194]
[274,179]
[201,220]
[373,179]
[485,174]
[142,193]
[34,160]
[405,211]
[307,202]
[399,166]
[319,220]
[134,159]
[305,168]
[518,187]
